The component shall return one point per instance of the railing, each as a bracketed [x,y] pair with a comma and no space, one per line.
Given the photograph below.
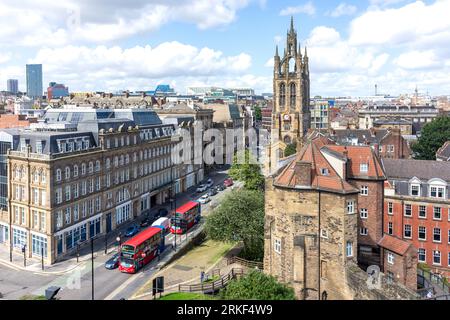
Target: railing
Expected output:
[245,263]
[427,277]
[211,287]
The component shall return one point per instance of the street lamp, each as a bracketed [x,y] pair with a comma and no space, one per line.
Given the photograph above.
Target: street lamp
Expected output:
[92,266]
[118,239]
[24,249]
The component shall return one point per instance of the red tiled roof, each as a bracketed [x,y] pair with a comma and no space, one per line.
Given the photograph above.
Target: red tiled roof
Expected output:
[359,155]
[394,244]
[311,153]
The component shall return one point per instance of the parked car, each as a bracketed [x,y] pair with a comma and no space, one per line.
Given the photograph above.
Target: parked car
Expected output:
[212,192]
[209,183]
[145,222]
[161,213]
[204,199]
[228,182]
[220,187]
[131,231]
[201,188]
[113,262]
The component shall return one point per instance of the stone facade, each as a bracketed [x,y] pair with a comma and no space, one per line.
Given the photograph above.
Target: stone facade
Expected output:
[297,227]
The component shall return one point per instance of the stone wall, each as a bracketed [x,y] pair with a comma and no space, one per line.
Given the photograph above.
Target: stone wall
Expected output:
[357,281]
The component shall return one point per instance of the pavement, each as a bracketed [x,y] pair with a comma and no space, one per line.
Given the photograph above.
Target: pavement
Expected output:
[75,278]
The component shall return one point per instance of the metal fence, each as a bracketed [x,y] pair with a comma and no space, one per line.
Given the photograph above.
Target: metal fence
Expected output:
[427,279]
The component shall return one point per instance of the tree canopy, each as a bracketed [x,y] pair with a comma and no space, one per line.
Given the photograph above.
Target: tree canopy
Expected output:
[249,172]
[240,217]
[433,135]
[259,286]
[290,150]
[258,115]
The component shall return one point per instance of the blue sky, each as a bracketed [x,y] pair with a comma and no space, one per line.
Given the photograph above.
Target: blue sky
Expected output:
[113,45]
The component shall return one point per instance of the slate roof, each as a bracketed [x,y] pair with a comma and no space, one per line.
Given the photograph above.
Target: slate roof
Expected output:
[444,152]
[422,169]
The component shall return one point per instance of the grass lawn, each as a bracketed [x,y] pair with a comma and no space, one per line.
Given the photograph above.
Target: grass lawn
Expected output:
[198,259]
[32,297]
[186,296]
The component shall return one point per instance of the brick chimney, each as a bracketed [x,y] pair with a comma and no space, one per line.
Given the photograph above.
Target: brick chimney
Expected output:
[346,163]
[302,171]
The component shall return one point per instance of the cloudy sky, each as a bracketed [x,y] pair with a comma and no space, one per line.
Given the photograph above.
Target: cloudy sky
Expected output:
[136,44]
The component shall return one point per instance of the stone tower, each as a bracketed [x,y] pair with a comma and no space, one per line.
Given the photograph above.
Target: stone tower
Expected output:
[290,115]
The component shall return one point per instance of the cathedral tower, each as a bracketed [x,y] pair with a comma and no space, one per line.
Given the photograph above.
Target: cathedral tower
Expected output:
[290,115]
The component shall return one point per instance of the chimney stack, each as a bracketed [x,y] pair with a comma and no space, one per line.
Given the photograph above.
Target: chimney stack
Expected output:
[302,171]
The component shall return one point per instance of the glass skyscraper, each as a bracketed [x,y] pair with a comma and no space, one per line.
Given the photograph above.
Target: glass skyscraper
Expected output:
[12,85]
[34,80]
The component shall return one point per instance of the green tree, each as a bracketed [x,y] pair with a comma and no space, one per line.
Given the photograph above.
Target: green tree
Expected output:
[257,286]
[248,171]
[433,135]
[258,114]
[290,150]
[240,217]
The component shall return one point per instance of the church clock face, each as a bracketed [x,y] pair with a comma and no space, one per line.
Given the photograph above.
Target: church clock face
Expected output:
[287,117]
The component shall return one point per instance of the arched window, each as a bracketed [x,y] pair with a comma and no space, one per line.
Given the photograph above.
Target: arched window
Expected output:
[97,166]
[292,66]
[282,94]
[75,170]
[91,167]
[287,140]
[58,174]
[83,168]
[293,94]
[67,173]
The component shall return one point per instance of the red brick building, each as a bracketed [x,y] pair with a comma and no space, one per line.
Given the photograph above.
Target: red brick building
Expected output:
[399,260]
[364,172]
[416,208]
[15,120]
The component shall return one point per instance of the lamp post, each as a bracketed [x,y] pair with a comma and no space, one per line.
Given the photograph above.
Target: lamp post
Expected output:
[24,250]
[92,266]
[42,257]
[118,239]
[106,243]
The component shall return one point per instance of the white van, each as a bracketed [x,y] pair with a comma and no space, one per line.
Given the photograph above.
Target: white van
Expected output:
[163,223]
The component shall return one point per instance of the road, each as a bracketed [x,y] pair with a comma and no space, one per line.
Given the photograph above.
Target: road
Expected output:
[76,285]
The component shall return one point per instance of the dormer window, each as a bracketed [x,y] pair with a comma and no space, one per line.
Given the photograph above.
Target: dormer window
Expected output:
[325,171]
[39,146]
[415,190]
[364,167]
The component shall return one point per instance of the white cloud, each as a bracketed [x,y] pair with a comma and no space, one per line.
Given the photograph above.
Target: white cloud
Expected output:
[322,35]
[343,9]
[419,60]
[269,63]
[412,23]
[59,23]
[102,67]
[307,8]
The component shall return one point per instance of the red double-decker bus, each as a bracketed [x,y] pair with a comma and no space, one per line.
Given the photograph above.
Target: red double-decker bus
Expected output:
[185,217]
[141,249]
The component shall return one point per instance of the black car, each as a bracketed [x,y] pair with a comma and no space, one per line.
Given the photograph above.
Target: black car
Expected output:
[113,262]
[212,192]
[220,187]
[146,222]
[163,212]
